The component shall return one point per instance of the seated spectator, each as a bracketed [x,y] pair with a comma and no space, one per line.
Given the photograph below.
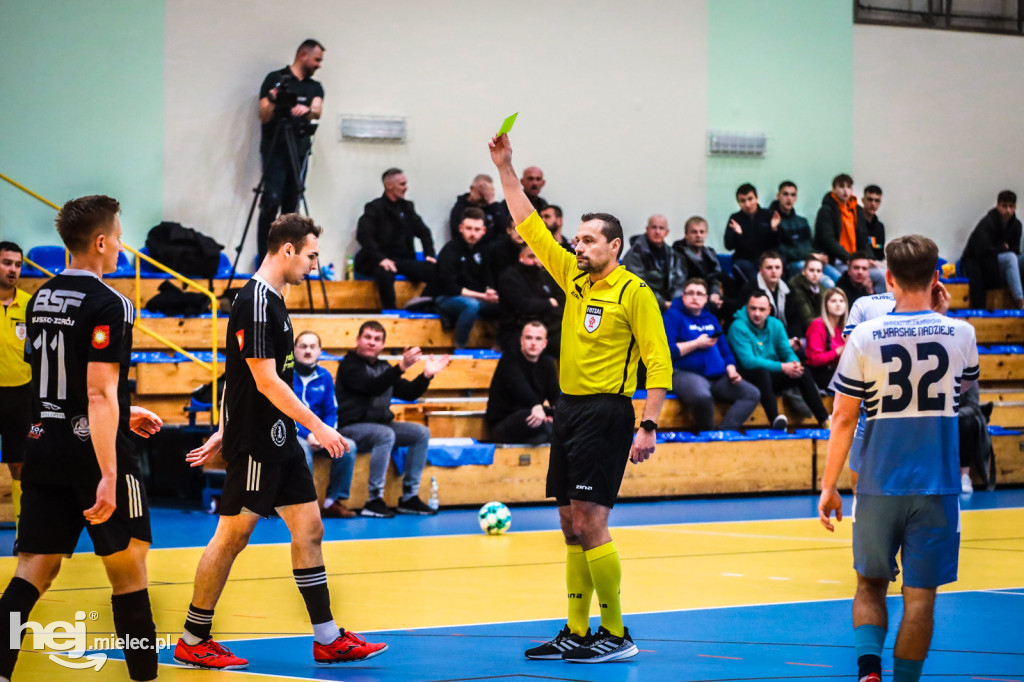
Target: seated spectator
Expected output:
[874,230]
[796,242]
[552,217]
[751,231]
[385,233]
[462,288]
[315,388]
[804,303]
[825,340]
[701,261]
[769,280]
[703,365]
[839,226]
[768,362]
[655,263]
[480,195]
[856,281]
[503,252]
[365,386]
[523,391]
[527,292]
[533,182]
[992,258]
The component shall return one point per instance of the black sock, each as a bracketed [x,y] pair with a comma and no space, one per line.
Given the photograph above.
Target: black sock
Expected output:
[133,620]
[312,584]
[867,664]
[199,622]
[19,597]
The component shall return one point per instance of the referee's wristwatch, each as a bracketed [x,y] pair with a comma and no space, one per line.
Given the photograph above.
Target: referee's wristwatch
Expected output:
[649,425]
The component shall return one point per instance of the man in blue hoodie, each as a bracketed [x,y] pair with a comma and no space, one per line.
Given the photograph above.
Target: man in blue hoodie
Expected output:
[703,367]
[767,360]
[315,388]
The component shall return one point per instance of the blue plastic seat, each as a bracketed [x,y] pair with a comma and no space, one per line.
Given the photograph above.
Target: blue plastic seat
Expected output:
[50,257]
[725,260]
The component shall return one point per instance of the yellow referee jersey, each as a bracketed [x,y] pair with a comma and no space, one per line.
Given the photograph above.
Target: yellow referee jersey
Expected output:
[607,327]
[14,371]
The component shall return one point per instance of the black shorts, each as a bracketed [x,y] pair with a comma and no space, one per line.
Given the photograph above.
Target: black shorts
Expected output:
[51,517]
[261,487]
[590,447]
[15,420]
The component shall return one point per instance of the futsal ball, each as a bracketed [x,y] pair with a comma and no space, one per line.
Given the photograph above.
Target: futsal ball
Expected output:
[495,518]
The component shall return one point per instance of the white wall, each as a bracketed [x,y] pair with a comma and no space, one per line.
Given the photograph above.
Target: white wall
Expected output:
[611,95]
[939,125]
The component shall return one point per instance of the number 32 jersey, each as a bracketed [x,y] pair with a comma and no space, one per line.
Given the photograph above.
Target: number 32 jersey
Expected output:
[74,319]
[908,369]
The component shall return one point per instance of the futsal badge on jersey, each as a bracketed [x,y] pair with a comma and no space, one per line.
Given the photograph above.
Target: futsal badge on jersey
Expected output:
[80,426]
[240,335]
[592,320]
[100,337]
[20,331]
[278,433]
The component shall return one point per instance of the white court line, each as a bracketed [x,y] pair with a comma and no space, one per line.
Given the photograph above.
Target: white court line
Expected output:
[752,536]
[775,577]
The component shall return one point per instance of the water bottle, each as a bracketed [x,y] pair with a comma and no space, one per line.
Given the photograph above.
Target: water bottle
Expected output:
[350,268]
[433,502]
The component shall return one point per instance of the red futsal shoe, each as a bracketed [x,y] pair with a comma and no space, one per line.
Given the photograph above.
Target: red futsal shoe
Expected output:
[208,654]
[349,647]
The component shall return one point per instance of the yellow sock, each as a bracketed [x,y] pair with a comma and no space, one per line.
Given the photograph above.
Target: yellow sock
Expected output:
[580,589]
[16,500]
[606,572]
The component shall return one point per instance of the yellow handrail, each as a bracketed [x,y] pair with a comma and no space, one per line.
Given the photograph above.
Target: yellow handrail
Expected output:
[212,365]
[37,266]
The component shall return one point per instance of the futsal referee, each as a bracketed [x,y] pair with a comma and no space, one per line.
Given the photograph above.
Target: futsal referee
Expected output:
[611,321]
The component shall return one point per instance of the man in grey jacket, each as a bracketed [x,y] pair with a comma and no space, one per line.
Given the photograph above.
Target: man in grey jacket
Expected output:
[656,263]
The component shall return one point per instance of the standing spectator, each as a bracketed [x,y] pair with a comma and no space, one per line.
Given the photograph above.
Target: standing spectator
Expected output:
[796,242]
[839,226]
[315,388]
[462,287]
[701,261]
[992,257]
[767,360]
[804,297]
[524,390]
[655,263]
[527,292]
[751,231]
[552,217]
[385,233]
[825,340]
[874,230]
[703,367]
[856,281]
[365,386]
[480,195]
[15,372]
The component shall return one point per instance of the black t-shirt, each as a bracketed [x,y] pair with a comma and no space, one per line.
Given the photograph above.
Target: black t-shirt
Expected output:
[258,328]
[74,319]
[305,92]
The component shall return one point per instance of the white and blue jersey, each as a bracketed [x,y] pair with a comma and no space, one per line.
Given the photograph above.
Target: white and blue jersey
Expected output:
[907,368]
[868,308]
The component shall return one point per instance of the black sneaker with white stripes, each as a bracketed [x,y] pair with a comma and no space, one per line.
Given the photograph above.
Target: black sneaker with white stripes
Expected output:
[563,642]
[603,647]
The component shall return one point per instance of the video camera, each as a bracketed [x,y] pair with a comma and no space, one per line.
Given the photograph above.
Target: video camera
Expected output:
[286,98]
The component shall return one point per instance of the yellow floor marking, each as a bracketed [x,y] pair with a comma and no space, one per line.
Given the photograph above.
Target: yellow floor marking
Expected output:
[456,580]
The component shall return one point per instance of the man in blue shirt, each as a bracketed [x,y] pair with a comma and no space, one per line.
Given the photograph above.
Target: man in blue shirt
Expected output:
[909,367]
[315,387]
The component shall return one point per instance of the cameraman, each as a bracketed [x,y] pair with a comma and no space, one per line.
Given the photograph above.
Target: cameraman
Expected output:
[288,97]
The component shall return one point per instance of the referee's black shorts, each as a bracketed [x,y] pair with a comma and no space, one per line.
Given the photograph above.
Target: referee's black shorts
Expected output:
[260,487]
[51,516]
[15,420]
[590,447]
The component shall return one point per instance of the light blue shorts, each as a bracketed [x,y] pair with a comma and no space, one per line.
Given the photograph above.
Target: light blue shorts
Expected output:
[923,529]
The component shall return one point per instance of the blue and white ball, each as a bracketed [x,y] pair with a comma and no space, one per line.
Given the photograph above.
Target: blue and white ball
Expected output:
[495,518]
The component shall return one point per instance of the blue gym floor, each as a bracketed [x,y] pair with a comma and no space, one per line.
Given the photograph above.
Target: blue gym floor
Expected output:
[791,623]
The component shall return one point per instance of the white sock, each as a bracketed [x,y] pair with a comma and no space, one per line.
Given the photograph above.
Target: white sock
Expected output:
[329,502]
[189,638]
[325,633]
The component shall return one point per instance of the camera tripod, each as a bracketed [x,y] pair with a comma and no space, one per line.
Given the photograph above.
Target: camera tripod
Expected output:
[285,130]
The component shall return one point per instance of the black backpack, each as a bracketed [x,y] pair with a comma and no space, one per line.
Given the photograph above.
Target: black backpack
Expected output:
[184,250]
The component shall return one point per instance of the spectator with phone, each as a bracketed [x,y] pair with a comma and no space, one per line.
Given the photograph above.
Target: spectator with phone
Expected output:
[703,366]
